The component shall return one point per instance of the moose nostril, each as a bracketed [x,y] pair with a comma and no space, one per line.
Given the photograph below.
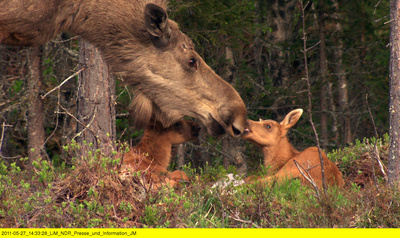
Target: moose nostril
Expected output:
[197,129]
[236,131]
[238,125]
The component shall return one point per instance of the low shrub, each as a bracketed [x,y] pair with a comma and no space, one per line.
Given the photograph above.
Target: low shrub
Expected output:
[87,192]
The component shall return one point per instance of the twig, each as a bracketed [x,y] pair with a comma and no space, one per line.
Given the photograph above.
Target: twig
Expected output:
[390,21]
[61,84]
[380,19]
[234,215]
[376,6]
[376,152]
[2,134]
[57,112]
[243,221]
[1,143]
[86,127]
[257,84]
[69,114]
[67,40]
[310,48]
[309,93]
[307,176]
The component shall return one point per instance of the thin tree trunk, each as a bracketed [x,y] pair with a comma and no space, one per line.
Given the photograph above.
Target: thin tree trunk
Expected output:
[232,148]
[342,81]
[323,78]
[96,102]
[180,154]
[332,108]
[36,136]
[258,45]
[394,105]
[280,19]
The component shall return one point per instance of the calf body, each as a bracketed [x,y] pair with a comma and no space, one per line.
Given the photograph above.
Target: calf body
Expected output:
[280,154]
[152,155]
[141,44]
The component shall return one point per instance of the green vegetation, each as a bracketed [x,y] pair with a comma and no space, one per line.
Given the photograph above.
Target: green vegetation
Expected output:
[89,193]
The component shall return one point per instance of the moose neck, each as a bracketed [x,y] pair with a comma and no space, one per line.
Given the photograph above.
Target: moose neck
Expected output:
[277,155]
[122,39]
[158,148]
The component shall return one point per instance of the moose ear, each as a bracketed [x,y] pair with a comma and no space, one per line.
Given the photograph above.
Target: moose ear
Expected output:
[141,110]
[156,19]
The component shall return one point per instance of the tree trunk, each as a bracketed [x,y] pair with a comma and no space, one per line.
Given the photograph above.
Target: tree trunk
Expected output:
[95,102]
[232,148]
[280,19]
[180,154]
[323,69]
[394,105]
[332,108]
[36,136]
[258,46]
[342,81]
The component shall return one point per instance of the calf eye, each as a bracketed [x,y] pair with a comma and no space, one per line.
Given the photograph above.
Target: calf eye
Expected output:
[268,126]
[193,63]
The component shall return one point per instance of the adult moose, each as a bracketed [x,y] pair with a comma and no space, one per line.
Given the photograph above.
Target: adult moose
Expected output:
[145,47]
[280,155]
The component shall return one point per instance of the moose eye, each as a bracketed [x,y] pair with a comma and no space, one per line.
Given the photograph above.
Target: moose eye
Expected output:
[193,63]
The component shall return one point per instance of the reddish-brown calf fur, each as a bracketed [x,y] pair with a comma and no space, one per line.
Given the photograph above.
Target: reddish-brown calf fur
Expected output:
[280,154]
[152,154]
[140,43]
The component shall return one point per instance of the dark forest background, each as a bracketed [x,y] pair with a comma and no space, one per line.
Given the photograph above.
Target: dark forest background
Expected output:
[254,45]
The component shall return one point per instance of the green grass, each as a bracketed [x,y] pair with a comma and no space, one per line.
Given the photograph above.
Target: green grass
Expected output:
[88,193]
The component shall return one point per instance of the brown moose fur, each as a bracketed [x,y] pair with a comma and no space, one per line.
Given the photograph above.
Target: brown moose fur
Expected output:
[152,154]
[143,46]
[280,154]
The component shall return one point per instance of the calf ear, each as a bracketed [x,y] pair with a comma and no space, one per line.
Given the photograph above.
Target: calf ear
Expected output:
[291,118]
[156,19]
[141,110]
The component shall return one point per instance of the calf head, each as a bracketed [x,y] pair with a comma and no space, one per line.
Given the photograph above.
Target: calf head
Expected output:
[180,132]
[184,131]
[269,132]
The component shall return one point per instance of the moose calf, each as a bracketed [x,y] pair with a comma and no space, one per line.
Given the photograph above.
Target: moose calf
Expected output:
[152,154]
[280,154]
